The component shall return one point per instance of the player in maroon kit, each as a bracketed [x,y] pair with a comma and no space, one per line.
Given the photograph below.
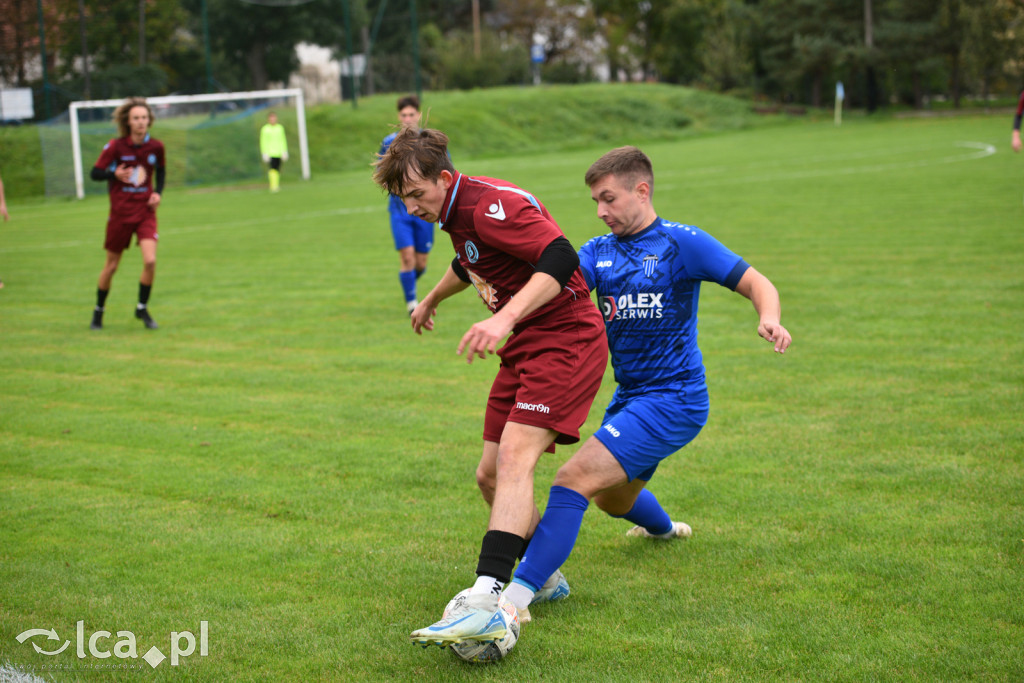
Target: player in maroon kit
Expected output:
[1015,136]
[511,250]
[129,164]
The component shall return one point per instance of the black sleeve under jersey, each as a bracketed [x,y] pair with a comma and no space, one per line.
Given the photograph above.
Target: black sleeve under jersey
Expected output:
[98,173]
[460,271]
[161,176]
[559,260]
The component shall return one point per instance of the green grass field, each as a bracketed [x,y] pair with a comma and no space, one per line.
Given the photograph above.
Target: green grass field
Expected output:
[287,462]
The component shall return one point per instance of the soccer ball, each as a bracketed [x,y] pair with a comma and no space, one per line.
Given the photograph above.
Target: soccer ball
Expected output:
[477,652]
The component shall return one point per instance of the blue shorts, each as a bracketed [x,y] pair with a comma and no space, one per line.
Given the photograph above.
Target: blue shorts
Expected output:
[643,429]
[408,230]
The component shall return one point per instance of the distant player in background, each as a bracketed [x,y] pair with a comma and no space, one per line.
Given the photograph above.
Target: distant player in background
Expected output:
[129,165]
[3,212]
[274,148]
[413,236]
[1015,136]
[647,275]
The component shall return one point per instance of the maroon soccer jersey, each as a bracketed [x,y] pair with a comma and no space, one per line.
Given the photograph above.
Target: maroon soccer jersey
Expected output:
[130,201]
[499,232]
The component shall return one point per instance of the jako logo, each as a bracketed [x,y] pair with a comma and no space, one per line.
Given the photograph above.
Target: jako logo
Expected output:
[640,305]
[125,647]
[604,264]
[536,407]
[612,430]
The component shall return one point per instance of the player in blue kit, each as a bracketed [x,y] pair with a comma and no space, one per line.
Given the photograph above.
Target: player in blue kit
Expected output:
[646,275]
[413,236]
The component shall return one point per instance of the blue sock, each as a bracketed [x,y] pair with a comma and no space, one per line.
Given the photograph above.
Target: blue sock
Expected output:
[648,513]
[554,538]
[408,280]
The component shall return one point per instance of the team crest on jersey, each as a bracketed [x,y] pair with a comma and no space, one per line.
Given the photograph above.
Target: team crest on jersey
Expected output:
[151,159]
[472,253]
[650,263]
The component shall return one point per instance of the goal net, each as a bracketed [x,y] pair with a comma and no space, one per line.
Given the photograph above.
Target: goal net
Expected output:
[209,139]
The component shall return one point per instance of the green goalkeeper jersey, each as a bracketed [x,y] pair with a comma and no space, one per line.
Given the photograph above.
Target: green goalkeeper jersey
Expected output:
[272,140]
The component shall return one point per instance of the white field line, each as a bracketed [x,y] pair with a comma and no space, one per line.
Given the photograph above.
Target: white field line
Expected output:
[749,173]
[686,178]
[980,151]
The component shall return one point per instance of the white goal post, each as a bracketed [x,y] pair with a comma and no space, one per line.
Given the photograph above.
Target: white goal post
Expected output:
[300,115]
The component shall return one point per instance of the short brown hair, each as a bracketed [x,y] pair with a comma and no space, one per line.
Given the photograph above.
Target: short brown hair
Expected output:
[409,101]
[424,152]
[121,114]
[627,163]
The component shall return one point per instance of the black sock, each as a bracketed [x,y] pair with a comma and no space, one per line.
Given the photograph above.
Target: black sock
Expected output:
[498,554]
[419,272]
[144,294]
[101,297]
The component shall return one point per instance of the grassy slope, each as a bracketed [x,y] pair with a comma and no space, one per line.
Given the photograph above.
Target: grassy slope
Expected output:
[491,123]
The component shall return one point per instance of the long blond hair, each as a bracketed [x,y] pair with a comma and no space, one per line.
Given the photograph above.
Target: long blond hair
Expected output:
[121,114]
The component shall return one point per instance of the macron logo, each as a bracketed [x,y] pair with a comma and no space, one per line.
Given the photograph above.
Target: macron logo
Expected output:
[496,211]
[536,407]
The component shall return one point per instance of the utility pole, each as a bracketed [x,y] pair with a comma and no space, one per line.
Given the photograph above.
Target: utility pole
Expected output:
[869,28]
[476,28]
[206,49]
[85,49]
[869,43]
[142,32]
[415,47]
[42,46]
[364,33]
[353,84]
[371,87]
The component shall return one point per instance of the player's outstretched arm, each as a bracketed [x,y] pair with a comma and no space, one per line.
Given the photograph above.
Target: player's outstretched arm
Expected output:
[765,297]
[422,317]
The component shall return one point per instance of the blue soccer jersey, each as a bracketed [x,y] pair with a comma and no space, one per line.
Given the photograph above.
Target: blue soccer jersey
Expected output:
[647,287]
[407,230]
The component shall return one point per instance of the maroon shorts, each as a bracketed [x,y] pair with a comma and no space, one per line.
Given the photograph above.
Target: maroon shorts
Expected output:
[120,231]
[550,372]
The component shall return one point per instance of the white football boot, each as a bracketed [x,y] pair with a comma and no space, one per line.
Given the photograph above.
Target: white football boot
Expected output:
[555,588]
[679,530]
[476,619]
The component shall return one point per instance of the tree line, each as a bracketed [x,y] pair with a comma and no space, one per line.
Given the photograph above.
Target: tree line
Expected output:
[793,51]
